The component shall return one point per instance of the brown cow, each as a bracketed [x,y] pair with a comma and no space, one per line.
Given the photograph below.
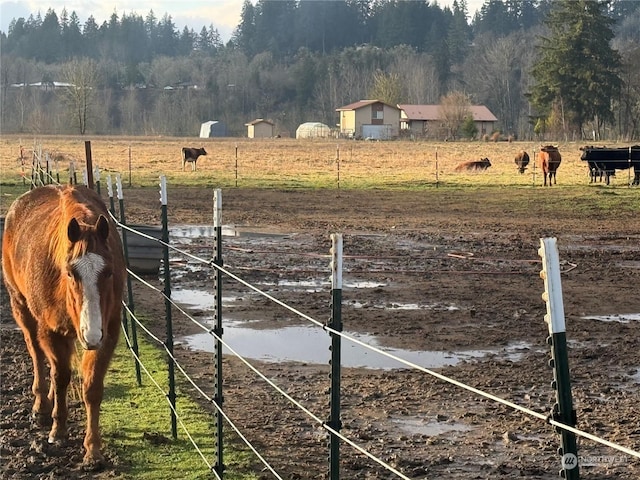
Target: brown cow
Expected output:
[191,155]
[522,160]
[549,160]
[473,166]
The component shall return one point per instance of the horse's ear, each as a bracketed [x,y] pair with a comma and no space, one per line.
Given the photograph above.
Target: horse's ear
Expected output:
[102,226]
[73,230]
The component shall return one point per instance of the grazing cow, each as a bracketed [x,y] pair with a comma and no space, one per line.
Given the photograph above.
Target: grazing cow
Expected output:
[605,161]
[522,160]
[549,159]
[473,166]
[191,155]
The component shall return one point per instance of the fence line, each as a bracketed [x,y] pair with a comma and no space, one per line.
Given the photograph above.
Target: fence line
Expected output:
[547,419]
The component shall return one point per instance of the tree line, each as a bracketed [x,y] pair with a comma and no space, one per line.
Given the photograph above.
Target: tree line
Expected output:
[542,67]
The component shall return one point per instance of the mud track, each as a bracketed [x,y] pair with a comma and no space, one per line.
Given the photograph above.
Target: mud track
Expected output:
[473,268]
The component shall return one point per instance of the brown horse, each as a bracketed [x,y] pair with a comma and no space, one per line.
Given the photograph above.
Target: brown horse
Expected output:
[64,270]
[549,159]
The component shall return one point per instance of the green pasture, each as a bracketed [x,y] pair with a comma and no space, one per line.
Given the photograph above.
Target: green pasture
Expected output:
[136,425]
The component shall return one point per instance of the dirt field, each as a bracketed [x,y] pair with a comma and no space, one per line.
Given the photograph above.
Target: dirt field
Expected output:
[449,271]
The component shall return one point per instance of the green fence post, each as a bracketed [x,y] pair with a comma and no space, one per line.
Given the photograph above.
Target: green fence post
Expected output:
[563,411]
[167,306]
[335,323]
[134,330]
[218,330]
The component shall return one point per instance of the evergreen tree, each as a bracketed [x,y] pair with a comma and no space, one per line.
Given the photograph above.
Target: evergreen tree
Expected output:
[577,70]
[244,36]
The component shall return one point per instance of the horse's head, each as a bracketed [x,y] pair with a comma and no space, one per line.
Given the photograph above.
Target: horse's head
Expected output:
[90,283]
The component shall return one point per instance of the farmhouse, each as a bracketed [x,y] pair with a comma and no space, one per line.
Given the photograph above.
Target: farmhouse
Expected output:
[260,128]
[425,120]
[372,119]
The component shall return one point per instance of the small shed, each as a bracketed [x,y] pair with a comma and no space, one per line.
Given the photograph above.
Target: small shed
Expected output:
[212,128]
[313,130]
[260,128]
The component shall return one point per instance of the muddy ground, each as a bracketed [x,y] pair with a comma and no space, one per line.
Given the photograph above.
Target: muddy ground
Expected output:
[459,276]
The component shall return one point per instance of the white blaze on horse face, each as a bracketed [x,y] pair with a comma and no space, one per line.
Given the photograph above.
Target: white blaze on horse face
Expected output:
[88,268]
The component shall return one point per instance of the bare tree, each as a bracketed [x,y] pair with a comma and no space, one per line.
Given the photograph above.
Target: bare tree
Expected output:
[386,87]
[79,93]
[454,108]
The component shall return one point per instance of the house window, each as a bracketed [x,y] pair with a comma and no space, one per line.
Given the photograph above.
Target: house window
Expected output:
[377,113]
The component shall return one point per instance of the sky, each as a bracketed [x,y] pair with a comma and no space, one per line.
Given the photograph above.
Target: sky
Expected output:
[224,15]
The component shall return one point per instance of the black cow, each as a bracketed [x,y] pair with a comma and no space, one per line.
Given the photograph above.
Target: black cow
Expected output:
[605,161]
[191,155]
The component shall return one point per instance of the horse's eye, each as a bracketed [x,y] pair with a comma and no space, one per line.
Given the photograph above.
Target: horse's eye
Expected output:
[108,274]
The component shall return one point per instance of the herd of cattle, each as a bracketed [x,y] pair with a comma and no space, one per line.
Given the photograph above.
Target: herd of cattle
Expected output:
[602,161]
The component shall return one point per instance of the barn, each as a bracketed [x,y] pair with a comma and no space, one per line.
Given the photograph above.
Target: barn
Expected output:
[212,128]
[260,128]
[371,119]
[313,130]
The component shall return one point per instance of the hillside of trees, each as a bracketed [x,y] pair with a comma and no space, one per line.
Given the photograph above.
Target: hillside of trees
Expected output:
[545,68]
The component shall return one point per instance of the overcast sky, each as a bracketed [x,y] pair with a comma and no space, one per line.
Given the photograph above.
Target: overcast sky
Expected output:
[224,15]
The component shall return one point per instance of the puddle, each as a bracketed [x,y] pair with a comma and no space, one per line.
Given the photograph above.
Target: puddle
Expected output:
[318,285]
[403,306]
[185,233]
[616,317]
[431,428]
[201,299]
[310,344]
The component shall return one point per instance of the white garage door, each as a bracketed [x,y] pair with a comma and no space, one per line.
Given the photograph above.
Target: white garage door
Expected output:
[376,132]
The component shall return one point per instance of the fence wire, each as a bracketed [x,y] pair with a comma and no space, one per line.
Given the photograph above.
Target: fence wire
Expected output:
[546,418]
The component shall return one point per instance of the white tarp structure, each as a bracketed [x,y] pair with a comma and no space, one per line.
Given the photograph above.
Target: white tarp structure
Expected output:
[313,130]
[212,128]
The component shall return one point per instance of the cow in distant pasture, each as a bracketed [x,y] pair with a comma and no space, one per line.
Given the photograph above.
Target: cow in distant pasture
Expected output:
[473,166]
[605,161]
[549,160]
[522,160]
[190,154]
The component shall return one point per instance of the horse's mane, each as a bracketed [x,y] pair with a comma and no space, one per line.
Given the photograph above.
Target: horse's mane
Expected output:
[71,204]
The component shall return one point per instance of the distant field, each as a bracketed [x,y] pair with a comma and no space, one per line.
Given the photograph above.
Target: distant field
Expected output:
[289,163]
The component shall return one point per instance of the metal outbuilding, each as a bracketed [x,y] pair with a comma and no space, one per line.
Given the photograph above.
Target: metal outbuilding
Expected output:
[212,128]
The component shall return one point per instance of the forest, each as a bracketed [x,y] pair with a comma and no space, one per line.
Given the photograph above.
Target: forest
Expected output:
[565,69]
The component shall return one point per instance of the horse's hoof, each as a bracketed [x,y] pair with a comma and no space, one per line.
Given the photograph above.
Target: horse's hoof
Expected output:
[93,464]
[42,419]
[56,440]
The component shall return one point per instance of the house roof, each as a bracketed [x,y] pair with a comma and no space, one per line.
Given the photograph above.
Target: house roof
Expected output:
[259,120]
[432,112]
[362,103]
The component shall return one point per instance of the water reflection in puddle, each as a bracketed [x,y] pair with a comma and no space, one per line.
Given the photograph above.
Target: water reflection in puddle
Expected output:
[616,317]
[184,234]
[431,428]
[201,299]
[310,344]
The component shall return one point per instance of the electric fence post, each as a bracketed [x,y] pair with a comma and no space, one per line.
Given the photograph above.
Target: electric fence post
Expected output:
[167,306]
[134,330]
[563,411]
[218,330]
[335,323]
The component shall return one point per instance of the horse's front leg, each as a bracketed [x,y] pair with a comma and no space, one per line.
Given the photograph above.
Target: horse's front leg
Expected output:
[94,369]
[59,350]
[41,410]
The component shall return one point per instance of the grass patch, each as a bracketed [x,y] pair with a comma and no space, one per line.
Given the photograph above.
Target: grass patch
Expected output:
[136,425]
